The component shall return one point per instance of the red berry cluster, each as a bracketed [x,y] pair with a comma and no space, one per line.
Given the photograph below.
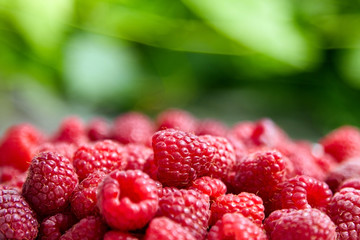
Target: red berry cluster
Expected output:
[177,178]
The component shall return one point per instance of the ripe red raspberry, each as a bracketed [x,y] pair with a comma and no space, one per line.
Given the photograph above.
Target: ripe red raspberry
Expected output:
[223,161]
[7,173]
[242,131]
[150,167]
[344,211]
[17,146]
[266,133]
[128,200]
[17,220]
[248,204]
[133,127]
[63,148]
[235,226]
[303,192]
[345,170]
[83,199]
[136,156]
[212,187]
[117,235]
[90,227]
[305,224]
[211,127]
[177,119]
[98,129]
[53,227]
[180,157]
[103,156]
[189,208]
[163,228]
[351,182]
[17,180]
[260,173]
[71,130]
[49,184]
[271,221]
[342,143]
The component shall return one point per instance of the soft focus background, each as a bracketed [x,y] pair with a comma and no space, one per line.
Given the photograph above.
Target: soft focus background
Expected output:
[297,62]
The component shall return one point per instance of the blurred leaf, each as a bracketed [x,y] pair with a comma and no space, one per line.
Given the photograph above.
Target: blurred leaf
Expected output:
[263,26]
[41,22]
[350,66]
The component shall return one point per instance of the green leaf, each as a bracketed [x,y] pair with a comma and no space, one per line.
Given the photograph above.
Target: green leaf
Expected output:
[266,27]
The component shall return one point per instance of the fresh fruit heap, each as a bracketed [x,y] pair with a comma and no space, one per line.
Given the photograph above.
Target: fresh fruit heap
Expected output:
[177,177]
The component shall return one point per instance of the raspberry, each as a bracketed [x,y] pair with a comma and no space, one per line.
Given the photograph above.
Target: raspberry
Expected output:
[98,129]
[103,156]
[71,130]
[128,200]
[223,160]
[136,156]
[162,228]
[63,148]
[211,127]
[248,204]
[342,143]
[90,227]
[177,119]
[260,173]
[351,182]
[83,199]
[344,211]
[150,168]
[267,133]
[17,181]
[7,173]
[17,147]
[235,226]
[271,221]
[325,161]
[305,224]
[303,192]
[17,220]
[53,227]
[117,235]
[189,208]
[180,157]
[133,127]
[212,187]
[242,131]
[49,184]
[346,169]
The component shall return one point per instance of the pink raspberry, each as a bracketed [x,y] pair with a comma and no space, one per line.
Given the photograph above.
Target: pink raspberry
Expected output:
[345,170]
[53,227]
[133,127]
[260,173]
[17,180]
[342,143]
[211,127]
[17,220]
[90,227]
[181,157]
[63,148]
[71,130]
[305,224]
[303,192]
[83,199]
[351,182]
[344,211]
[242,131]
[117,235]
[103,156]
[271,221]
[7,173]
[136,156]
[162,228]
[128,200]
[189,208]
[49,184]
[235,226]
[18,145]
[224,159]
[98,129]
[248,204]
[212,187]
[177,119]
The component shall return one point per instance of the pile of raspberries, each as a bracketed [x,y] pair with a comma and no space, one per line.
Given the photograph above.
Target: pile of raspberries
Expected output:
[177,177]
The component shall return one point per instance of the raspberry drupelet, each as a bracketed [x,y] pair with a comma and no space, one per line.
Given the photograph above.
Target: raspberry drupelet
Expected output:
[128,200]
[212,187]
[50,182]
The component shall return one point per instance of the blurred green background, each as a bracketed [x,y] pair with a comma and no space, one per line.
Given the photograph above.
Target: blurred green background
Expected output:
[297,62]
